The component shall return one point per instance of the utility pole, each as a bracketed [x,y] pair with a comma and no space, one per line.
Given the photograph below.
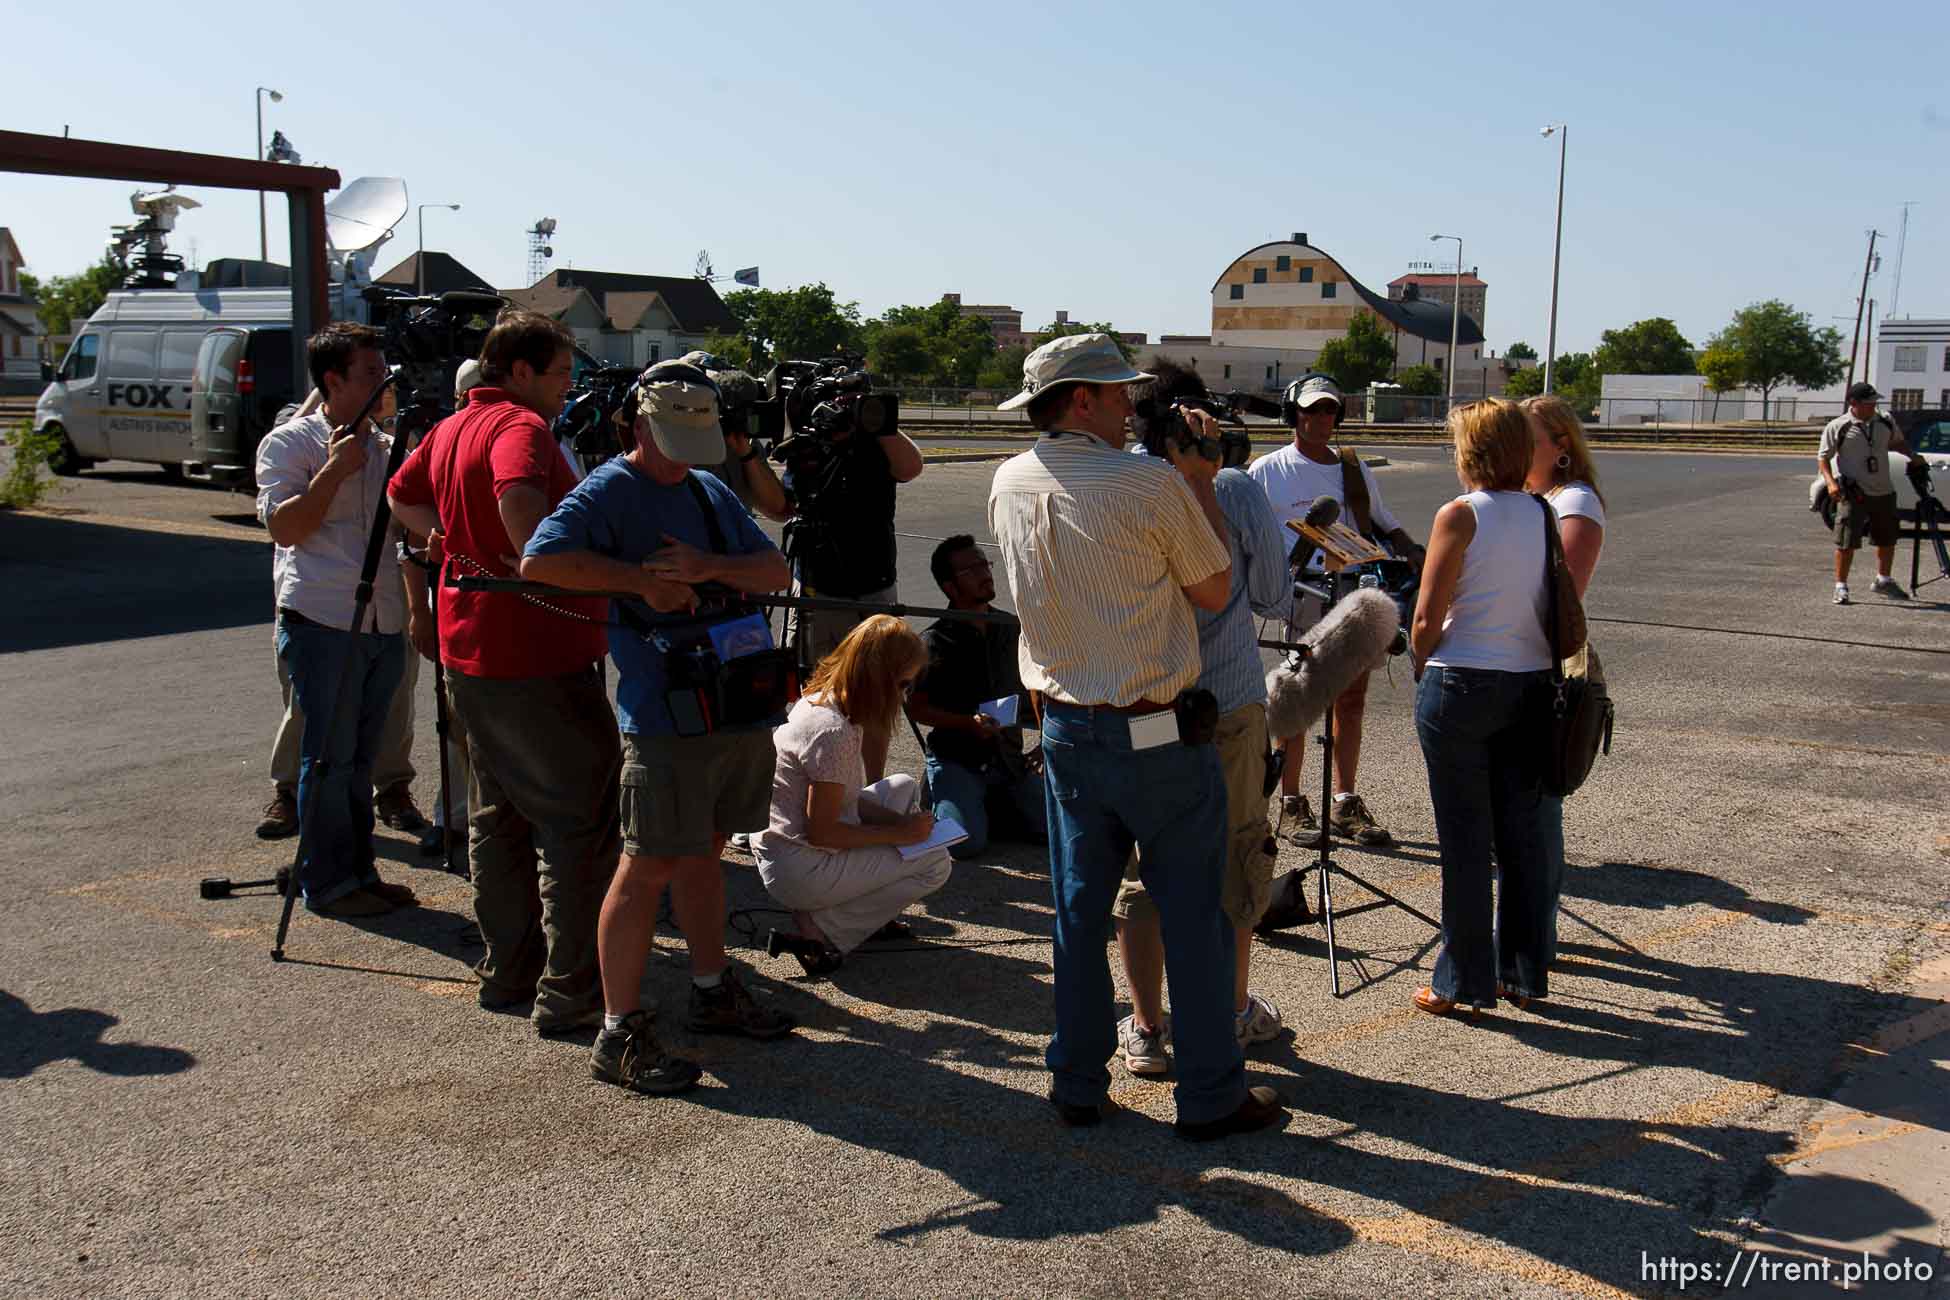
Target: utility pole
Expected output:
[1861,301]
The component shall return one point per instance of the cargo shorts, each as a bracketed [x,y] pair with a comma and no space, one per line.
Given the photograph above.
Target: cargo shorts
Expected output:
[681,793]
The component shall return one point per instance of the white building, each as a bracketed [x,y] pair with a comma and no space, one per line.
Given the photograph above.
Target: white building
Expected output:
[20,326]
[1686,399]
[1913,363]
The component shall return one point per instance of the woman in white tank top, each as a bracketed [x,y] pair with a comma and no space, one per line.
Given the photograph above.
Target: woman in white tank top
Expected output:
[1482,664]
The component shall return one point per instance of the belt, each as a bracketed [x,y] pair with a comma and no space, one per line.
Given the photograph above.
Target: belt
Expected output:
[293,616]
[1138,709]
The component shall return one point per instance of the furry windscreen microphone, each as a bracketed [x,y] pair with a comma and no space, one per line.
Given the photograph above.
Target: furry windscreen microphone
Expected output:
[1324,511]
[1353,638]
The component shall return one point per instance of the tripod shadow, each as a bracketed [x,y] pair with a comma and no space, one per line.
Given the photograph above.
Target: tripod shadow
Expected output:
[30,1039]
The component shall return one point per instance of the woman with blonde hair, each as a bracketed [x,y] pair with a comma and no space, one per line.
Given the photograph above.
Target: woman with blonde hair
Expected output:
[1561,471]
[831,852]
[1482,661]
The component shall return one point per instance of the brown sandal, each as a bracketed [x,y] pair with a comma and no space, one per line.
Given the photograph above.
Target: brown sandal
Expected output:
[1426,1000]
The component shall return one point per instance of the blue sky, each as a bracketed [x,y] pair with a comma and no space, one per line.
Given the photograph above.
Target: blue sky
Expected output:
[1106,159]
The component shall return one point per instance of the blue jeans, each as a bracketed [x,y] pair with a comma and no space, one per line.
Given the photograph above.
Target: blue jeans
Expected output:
[1483,742]
[335,762]
[1170,802]
[965,795]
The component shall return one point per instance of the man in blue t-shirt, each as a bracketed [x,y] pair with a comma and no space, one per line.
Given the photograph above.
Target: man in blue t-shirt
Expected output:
[646,522]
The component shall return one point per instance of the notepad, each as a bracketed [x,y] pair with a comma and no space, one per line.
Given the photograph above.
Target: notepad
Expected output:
[946,831]
[1003,709]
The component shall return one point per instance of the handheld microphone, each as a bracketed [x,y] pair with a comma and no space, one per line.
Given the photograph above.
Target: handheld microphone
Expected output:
[1353,639]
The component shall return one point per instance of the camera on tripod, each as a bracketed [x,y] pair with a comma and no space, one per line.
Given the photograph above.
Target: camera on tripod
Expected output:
[588,419]
[428,338]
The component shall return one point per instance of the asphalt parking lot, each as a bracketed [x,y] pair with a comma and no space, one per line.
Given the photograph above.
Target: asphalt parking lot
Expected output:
[1741,1065]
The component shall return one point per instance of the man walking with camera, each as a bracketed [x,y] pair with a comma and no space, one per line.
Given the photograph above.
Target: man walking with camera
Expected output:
[1854,463]
[645,522]
[1104,550]
[525,680]
[1293,478]
[321,479]
[840,490]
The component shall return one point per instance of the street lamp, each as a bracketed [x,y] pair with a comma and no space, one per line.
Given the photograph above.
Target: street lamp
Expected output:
[1563,134]
[1455,319]
[420,262]
[277,97]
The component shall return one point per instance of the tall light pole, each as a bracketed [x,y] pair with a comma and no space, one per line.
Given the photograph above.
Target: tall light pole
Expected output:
[420,261]
[1563,134]
[277,97]
[1455,319]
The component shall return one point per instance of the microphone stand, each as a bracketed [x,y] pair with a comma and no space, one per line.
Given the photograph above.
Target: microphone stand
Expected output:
[1324,861]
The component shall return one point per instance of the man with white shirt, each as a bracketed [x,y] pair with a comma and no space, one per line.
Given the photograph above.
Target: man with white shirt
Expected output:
[321,482]
[1294,477]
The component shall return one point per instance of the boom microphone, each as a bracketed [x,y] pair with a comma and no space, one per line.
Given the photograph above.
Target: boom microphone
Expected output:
[1352,639]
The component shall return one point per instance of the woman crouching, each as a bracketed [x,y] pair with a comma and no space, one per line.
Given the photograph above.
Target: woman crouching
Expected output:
[832,850]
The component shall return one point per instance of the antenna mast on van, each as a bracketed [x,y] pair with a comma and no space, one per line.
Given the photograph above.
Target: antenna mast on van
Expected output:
[140,252]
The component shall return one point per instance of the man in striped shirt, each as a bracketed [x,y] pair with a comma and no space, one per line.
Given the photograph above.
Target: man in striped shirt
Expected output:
[1107,555]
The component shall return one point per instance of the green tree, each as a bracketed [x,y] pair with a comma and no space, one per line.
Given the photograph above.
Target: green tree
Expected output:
[1647,347]
[793,324]
[1770,344]
[1520,352]
[1004,369]
[1356,360]
[1574,377]
[1420,381]
[1524,383]
[898,354]
[68,300]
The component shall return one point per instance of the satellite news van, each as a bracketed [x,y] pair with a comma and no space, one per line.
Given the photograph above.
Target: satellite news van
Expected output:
[174,372]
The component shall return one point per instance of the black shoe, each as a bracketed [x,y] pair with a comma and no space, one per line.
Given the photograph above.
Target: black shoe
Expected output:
[493,999]
[814,956]
[631,1057]
[895,931]
[1289,906]
[563,1026]
[1075,1116]
[1261,1109]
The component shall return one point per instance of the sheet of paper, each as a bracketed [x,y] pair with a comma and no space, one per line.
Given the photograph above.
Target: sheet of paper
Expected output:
[946,831]
[1003,709]
[1154,729]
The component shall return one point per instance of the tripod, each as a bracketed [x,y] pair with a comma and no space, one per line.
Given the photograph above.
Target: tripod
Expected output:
[414,419]
[1929,519]
[1324,861]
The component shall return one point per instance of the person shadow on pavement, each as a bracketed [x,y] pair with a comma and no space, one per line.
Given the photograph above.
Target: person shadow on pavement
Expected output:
[31,1039]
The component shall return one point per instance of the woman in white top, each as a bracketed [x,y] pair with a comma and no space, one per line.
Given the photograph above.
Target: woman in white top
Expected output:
[1483,663]
[1562,472]
[832,850]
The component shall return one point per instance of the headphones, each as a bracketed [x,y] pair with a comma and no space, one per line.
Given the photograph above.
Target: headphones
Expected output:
[1290,400]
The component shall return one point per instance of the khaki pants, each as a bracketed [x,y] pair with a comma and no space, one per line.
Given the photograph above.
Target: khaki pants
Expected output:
[391,766]
[853,892]
[1248,885]
[542,830]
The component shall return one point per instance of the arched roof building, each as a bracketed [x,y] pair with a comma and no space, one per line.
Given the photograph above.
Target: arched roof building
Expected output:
[1290,294]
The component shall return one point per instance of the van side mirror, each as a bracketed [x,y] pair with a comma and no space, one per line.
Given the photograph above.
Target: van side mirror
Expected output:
[47,372]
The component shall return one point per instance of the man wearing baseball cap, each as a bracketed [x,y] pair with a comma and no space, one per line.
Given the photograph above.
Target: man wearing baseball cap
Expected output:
[1294,477]
[646,522]
[1107,555]
[1854,463]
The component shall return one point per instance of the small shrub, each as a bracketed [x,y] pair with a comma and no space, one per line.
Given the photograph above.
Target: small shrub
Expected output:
[26,481]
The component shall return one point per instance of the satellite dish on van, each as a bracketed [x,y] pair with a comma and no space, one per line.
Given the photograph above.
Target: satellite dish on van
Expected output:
[363,215]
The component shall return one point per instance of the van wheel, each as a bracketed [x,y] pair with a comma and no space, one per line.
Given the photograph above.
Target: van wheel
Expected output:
[173,471]
[64,459]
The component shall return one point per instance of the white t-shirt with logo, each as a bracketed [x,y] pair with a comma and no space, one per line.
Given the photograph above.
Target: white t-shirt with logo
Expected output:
[1293,482]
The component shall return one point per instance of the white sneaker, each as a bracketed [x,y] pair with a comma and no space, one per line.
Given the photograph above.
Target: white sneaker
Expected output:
[1885,585]
[1841,593]
[1143,1053]
[1260,1022]
[742,842]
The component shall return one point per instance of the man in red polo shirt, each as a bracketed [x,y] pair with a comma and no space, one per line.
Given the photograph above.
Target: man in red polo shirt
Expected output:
[525,679]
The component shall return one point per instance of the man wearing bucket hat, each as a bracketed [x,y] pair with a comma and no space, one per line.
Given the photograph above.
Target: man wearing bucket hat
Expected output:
[646,522]
[1107,555]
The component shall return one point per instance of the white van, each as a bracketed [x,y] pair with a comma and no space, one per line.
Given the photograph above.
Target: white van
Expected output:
[123,391]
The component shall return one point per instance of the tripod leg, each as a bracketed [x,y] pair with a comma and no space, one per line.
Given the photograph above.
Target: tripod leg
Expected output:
[1326,862]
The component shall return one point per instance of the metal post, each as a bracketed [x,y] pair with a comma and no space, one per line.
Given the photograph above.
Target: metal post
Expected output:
[1563,134]
[1861,301]
[263,239]
[1455,319]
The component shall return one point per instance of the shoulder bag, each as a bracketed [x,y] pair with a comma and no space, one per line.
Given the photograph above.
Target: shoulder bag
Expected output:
[1579,720]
